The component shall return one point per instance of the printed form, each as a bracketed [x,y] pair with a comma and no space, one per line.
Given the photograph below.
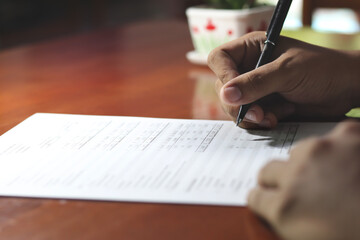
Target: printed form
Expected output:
[140,159]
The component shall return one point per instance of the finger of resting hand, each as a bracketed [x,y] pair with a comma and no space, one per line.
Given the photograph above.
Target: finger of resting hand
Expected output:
[262,201]
[350,129]
[307,149]
[270,174]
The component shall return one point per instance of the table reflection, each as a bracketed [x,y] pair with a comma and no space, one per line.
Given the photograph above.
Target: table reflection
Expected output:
[206,104]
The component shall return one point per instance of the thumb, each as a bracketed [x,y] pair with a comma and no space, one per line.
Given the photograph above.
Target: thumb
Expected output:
[253,85]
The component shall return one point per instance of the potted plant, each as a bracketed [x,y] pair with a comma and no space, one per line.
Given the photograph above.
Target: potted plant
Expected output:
[220,21]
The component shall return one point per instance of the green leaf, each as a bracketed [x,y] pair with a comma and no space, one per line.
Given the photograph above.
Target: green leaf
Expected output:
[232,4]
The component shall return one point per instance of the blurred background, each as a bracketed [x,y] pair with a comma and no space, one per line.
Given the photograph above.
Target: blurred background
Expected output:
[23,21]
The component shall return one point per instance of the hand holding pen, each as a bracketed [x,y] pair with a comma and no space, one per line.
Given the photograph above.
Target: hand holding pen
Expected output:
[303,81]
[272,34]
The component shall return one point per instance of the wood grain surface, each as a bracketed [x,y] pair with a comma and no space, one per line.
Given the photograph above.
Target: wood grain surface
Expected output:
[133,70]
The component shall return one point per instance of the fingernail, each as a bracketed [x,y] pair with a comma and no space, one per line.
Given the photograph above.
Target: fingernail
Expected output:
[232,94]
[265,123]
[251,116]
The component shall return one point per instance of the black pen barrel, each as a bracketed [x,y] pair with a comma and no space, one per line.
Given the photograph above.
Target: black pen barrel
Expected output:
[265,54]
[277,22]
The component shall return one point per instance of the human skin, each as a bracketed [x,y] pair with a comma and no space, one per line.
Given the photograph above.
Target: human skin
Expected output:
[315,195]
[302,80]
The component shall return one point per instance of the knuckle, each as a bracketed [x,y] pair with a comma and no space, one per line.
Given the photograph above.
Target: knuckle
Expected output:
[349,127]
[256,35]
[211,60]
[213,56]
[283,63]
[252,84]
[311,149]
[253,79]
[319,147]
[222,75]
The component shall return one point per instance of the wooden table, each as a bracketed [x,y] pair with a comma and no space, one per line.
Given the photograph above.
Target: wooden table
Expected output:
[135,70]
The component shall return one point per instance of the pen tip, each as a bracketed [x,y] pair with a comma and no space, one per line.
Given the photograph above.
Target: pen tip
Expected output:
[238,121]
[239,117]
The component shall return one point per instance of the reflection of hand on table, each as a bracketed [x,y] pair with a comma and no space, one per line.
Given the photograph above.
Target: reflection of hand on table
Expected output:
[206,102]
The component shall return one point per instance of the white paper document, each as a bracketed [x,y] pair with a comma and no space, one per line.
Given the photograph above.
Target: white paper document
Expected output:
[140,159]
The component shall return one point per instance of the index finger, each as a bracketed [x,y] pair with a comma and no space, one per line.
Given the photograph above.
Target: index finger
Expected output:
[238,56]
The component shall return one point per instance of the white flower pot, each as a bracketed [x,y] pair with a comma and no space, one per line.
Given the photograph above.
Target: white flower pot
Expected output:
[211,27]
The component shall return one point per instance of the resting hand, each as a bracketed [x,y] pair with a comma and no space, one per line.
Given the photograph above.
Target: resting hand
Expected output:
[315,195]
[303,80]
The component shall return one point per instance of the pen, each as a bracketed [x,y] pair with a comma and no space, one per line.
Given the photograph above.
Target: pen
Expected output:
[272,35]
